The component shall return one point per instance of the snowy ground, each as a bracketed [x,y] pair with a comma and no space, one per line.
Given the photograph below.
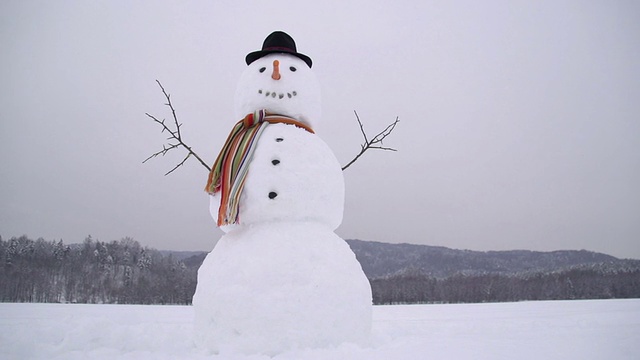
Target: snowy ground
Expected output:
[606,329]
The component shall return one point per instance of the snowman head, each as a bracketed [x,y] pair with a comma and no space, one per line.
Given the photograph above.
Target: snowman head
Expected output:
[279,80]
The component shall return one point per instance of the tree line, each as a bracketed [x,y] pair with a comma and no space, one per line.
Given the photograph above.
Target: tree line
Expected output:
[116,272]
[582,282]
[124,272]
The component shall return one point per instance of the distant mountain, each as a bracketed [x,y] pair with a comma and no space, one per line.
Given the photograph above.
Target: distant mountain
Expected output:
[124,272]
[182,255]
[406,273]
[380,260]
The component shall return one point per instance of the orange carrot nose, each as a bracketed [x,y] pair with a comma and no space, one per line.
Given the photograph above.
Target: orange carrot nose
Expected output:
[276,70]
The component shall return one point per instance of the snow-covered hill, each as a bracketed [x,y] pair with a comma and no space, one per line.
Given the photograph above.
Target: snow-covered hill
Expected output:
[602,329]
[380,259]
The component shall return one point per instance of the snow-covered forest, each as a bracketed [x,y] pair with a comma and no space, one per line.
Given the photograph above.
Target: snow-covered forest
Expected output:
[125,272]
[92,272]
[576,283]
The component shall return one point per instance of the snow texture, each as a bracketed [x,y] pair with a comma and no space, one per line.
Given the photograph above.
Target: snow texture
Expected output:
[306,178]
[296,94]
[272,287]
[281,279]
[549,330]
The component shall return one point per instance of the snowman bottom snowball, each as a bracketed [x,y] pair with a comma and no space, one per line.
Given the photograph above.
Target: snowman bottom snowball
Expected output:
[275,287]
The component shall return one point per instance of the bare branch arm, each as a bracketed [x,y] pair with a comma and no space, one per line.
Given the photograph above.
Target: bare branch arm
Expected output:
[375,142]
[176,141]
[175,135]
[177,166]
[161,152]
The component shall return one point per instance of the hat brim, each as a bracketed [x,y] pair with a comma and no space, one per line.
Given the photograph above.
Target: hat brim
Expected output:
[251,57]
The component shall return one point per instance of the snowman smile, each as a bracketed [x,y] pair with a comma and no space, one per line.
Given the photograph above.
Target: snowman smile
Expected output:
[278,95]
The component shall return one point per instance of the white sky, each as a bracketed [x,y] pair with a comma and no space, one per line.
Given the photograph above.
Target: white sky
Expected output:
[520,124]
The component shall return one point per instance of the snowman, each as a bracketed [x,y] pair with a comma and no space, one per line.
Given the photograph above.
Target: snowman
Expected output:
[280,278]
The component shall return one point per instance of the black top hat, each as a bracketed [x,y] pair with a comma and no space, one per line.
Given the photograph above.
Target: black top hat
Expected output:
[277,42]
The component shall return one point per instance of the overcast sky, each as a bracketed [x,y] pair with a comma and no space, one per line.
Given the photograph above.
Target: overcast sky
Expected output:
[520,120]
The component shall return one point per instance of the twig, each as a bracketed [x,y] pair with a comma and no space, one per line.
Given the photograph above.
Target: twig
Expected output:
[175,135]
[175,138]
[375,142]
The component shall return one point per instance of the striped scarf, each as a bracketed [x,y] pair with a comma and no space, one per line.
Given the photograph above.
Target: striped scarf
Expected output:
[229,171]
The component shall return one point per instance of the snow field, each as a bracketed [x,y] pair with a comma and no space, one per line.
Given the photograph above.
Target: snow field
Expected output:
[594,329]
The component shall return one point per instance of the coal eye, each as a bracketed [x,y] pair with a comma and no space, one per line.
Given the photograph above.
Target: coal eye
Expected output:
[292,68]
[262,69]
